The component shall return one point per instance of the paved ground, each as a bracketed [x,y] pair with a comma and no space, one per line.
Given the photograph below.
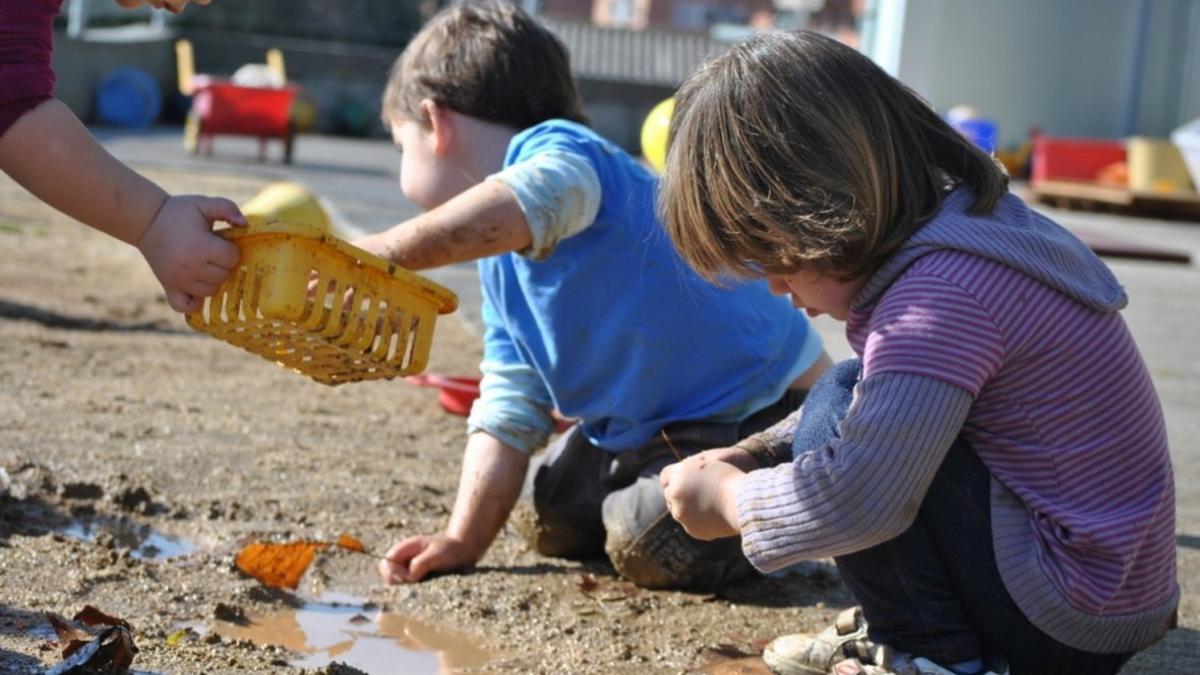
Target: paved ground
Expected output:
[359,179]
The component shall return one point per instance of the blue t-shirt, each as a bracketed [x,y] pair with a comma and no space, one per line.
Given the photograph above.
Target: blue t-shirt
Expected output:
[623,334]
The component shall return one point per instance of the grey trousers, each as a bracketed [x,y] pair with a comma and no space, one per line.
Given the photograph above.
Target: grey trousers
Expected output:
[583,502]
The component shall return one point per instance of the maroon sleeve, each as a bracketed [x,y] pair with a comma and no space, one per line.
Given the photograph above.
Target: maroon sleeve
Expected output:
[26,43]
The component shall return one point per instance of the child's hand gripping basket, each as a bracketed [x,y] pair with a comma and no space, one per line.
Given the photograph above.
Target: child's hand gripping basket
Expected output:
[366,319]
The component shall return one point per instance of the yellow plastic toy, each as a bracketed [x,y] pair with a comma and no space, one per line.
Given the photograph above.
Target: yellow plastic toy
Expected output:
[366,320]
[654,134]
[290,202]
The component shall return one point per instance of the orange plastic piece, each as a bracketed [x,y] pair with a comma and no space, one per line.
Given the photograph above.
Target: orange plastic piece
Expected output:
[366,319]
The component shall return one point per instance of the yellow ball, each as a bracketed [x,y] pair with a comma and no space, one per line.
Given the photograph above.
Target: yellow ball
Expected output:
[290,202]
[654,134]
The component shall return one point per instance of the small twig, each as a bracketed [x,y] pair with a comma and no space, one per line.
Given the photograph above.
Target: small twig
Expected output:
[367,552]
[674,450]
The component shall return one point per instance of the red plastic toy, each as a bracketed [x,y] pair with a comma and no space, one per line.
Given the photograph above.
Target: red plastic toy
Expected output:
[221,107]
[457,394]
[1079,159]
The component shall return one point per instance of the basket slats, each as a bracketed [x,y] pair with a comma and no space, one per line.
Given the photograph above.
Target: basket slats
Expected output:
[366,319]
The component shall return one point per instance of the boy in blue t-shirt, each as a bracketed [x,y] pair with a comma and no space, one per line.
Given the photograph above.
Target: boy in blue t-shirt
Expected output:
[587,308]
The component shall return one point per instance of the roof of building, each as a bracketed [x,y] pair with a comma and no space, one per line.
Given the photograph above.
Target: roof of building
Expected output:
[650,57]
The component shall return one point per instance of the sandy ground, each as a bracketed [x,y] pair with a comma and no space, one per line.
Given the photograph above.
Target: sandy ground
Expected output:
[113,412]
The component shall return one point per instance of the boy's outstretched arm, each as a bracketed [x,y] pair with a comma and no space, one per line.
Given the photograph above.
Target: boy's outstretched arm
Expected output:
[492,475]
[482,221]
[50,153]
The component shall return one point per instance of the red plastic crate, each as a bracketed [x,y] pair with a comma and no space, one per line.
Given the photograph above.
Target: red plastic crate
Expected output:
[1073,158]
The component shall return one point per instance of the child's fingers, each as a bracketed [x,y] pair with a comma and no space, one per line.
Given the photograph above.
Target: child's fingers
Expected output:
[213,274]
[199,289]
[400,556]
[181,302]
[219,208]
[428,560]
[392,573]
[385,572]
[394,566]
[664,476]
[221,252]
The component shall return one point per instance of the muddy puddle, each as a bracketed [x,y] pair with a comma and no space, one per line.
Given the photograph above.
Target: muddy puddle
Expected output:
[346,629]
[143,541]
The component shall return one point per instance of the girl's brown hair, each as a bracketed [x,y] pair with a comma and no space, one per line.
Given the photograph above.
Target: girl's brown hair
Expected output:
[489,60]
[794,152]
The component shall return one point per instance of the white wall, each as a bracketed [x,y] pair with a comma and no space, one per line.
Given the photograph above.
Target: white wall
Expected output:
[1169,91]
[1068,67]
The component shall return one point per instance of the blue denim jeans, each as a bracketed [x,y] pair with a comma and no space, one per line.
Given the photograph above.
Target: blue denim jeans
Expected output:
[935,590]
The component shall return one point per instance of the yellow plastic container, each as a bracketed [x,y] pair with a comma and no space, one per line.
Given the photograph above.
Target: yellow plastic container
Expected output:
[367,319]
[1155,165]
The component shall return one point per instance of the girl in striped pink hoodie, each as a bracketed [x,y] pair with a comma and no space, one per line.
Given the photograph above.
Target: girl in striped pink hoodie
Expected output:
[991,474]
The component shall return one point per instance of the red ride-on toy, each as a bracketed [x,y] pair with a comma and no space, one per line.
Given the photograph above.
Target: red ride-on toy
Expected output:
[220,106]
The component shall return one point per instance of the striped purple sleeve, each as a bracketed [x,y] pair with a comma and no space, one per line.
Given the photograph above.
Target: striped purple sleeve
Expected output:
[926,325]
[864,487]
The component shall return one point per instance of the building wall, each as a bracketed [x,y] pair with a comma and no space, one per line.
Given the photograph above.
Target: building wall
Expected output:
[617,111]
[689,15]
[361,22]
[1167,94]
[1068,67]
[576,10]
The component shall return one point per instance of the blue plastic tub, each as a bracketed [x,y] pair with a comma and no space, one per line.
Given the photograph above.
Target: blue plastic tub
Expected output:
[128,97]
[981,132]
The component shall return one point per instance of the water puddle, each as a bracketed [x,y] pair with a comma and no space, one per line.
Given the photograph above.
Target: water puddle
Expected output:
[343,628]
[143,541]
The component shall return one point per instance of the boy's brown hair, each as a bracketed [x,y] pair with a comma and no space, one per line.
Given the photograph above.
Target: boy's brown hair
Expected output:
[488,60]
[794,152]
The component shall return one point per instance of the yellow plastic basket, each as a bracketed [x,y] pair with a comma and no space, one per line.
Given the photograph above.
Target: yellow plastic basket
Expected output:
[367,319]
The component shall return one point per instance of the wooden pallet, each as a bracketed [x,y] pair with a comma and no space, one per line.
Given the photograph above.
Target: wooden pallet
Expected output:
[1096,197]
[1108,246]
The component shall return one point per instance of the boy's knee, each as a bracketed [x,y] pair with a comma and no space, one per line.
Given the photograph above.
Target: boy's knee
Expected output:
[647,546]
[557,536]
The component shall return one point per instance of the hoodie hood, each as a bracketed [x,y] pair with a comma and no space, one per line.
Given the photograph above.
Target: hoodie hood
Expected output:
[1013,235]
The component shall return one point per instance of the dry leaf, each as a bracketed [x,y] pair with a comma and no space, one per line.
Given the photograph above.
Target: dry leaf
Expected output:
[111,652]
[90,616]
[588,582]
[63,629]
[728,651]
[72,647]
[278,565]
[283,565]
[351,544]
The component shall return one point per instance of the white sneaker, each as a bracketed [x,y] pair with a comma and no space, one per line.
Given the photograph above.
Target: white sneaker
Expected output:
[845,649]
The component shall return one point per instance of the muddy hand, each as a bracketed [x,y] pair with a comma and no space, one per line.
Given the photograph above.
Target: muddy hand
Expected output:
[412,559]
[701,495]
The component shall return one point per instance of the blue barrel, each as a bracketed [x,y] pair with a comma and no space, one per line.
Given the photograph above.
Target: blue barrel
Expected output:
[982,132]
[128,97]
